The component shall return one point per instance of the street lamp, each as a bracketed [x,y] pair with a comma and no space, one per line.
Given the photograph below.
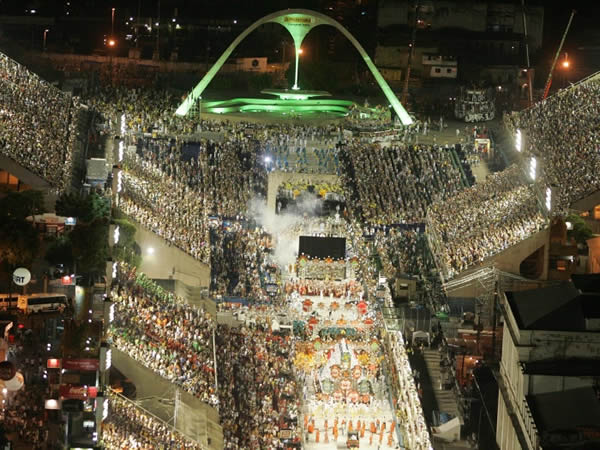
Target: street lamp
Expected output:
[299,51]
[45,35]
[112,27]
[566,66]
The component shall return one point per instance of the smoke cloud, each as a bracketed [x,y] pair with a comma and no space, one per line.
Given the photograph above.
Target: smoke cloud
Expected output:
[285,227]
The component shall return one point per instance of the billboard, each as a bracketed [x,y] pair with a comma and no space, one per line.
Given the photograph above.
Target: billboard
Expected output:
[81,364]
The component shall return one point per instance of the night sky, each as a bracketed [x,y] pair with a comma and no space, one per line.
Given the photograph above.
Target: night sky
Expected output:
[582,43]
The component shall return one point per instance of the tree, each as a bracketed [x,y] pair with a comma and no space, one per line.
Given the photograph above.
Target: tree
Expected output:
[60,251]
[580,231]
[127,249]
[97,207]
[70,205]
[20,205]
[19,242]
[85,208]
[90,246]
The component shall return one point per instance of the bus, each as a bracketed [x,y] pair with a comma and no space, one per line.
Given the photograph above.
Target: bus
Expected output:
[33,303]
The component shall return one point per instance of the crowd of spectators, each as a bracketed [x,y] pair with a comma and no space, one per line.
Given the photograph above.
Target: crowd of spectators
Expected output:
[128,426]
[484,220]
[169,337]
[208,167]
[321,143]
[166,207]
[24,415]
[39,123]
[396,184]
[257,393]
[401,251]
[23,419]
[257,389]
[563,132]
[468,157]
[238,261]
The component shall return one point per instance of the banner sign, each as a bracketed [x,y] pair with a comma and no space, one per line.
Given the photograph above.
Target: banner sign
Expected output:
[85,364]
[69,391]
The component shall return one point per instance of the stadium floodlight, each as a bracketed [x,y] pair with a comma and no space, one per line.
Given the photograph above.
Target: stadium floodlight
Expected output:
[116,234]
[532,167]
[123,124]
[548,198]
[119,181]
[518,141]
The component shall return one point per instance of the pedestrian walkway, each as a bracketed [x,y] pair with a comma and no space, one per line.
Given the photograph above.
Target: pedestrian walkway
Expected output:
[480,171]
[445,398]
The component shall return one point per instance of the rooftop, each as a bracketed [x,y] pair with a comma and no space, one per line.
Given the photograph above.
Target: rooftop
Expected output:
[588,282]
[566,417]
[561,307]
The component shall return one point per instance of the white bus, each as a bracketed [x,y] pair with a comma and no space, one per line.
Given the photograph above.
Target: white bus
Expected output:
[33,303]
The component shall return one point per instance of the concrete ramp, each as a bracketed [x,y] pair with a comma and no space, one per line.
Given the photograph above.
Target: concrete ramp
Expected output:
[190,416]
[161,260]
[510,260]
[587,203]
[23,174]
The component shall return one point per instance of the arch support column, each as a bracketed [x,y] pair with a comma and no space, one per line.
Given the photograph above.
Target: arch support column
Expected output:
[298,22]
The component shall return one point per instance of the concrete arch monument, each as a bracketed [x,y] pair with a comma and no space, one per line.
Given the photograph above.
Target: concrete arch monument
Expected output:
[298,22]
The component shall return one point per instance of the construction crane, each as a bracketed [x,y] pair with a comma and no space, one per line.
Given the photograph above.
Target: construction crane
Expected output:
[562,41]
[411,51]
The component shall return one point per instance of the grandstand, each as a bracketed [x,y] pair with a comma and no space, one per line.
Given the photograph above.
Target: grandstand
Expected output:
[396,184]
[483,221]
[129,424]
[40,126]
[503,221]
[563,133]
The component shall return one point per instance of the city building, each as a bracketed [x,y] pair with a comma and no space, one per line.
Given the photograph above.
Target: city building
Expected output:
[469,40]
[550,366]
